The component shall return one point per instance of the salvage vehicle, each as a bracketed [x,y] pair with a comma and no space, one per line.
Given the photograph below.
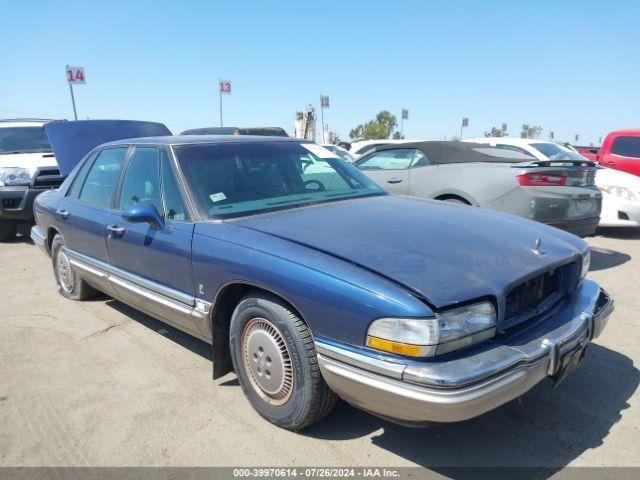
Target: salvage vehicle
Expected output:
[620,207]
[27,168]
[313,286]
[561,194]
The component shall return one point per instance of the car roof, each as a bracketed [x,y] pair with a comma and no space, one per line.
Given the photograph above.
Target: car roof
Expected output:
[202,139]
[506,140]
[627,131]
[458,152]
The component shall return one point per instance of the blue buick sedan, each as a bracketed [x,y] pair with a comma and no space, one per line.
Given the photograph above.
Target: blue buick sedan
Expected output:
[309,280]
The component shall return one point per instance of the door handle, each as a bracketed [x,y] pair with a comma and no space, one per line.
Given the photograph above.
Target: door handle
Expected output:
[63,214]
[394,180]
[116,230]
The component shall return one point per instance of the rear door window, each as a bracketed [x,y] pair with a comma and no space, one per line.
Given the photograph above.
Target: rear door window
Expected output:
[78,181]
[626,147]
[399,159]
[100,185]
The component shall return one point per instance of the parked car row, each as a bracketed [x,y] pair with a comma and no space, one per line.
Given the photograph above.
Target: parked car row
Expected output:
[558,193]
[311,282]
[620,188]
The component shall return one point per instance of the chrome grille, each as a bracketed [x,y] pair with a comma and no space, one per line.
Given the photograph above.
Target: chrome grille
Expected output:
[536,295]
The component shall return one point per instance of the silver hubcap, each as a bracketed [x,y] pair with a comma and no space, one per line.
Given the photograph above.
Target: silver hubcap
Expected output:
[267,360]
[66,276]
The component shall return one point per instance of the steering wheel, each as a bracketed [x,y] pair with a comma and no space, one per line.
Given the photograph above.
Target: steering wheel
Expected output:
[321,187]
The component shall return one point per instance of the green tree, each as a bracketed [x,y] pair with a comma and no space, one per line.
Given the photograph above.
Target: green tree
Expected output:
[397,136]
[382,127]
[496,132]
[388,120]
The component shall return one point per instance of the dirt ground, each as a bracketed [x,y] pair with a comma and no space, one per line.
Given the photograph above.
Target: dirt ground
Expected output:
[99,384]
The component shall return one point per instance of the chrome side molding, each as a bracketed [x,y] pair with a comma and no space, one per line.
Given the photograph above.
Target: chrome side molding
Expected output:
[166,297]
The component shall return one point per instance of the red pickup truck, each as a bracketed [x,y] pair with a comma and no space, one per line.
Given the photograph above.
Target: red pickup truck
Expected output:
[620,151]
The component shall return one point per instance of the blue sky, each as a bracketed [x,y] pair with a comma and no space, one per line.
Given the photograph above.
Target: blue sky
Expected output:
[568,66]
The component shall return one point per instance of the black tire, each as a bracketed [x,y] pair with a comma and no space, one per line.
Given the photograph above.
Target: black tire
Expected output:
[302,397]
[70,285]
[8,230]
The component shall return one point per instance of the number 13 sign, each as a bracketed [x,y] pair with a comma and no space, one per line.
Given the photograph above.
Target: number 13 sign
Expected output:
[225,87]
[75,75]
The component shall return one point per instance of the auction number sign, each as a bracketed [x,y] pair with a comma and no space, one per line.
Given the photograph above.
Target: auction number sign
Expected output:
[75,75]
[225,87]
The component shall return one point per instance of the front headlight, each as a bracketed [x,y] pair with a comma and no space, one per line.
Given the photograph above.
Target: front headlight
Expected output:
[586,263]
[15,176]
[425,337]
[621,192]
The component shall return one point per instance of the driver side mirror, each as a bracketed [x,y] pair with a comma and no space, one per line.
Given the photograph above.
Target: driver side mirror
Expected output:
[144,212]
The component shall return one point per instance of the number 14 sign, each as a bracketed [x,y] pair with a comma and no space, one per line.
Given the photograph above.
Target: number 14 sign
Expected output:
[75,75]
[225,87]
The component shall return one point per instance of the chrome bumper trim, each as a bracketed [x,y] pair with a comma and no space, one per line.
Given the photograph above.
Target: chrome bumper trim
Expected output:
[467,385]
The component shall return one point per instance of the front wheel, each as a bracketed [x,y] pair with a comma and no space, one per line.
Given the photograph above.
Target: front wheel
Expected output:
[70,285]
[275,359]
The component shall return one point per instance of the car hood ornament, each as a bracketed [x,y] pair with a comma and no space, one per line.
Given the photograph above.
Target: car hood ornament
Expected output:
[537,249]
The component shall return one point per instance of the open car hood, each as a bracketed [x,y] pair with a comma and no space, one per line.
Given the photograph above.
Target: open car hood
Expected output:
[71,141]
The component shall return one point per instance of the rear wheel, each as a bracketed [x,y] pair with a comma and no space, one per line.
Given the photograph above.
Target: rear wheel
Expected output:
[70,285]
[8,230]
[275,359]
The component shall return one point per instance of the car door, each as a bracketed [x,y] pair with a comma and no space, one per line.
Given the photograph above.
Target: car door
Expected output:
[389,168]
[153,263]
[625,155]
[421,181]
[82,215]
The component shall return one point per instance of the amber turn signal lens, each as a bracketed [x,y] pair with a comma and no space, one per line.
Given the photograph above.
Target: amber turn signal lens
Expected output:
[393,347]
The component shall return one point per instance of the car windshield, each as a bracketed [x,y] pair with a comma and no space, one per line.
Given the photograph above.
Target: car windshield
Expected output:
[235,179]
[554,151]
[23,140]
[341,152]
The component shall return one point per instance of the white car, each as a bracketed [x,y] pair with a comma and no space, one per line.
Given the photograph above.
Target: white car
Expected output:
[620,190]
[27,168]
[360,148]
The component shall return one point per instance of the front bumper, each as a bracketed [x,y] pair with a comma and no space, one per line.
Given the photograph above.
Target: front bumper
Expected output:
[474,382]
[16,203]
[619,212]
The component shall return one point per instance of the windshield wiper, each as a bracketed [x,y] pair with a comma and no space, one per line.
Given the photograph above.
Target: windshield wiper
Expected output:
[343,194]
[284,202]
